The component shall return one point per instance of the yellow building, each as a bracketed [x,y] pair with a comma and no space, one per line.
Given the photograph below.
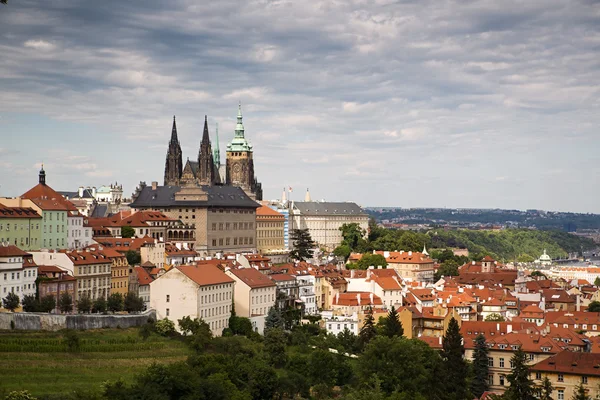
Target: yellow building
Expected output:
[410,264]
[567,370]
[120,271]
[269,230]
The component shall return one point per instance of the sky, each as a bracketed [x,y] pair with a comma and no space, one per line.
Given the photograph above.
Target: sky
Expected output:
[474,104]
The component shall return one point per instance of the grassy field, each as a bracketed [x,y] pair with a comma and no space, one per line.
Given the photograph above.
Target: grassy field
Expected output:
[39,361]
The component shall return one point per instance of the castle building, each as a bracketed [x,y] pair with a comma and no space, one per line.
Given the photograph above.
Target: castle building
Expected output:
[207,169]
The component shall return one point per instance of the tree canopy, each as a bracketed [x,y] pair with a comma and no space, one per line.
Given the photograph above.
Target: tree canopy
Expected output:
[303,245]
[368,260]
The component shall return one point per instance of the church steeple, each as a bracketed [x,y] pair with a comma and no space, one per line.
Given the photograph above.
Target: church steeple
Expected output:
[217,150]
[239,127]
[206,166]
[174,163]
[42,177]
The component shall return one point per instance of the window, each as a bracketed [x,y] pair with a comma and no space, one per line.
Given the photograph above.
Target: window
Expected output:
[491,380]
[561,378]
[490,362]
[168,298]
[501,380]
[501,365]
[167,312]
[214,226]
[214,242]
[584,380]
[561,394]
[538,376]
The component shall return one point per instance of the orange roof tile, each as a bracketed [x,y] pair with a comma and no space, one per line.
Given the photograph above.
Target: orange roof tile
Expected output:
[264,211]
[12,251]
[144,277]
[252,278]
[206,275]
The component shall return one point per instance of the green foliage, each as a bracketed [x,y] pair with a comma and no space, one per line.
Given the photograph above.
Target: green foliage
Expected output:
[594,306]
[348,341]
[392,325]
[538,274]
[368,330]
[525,258]
[342,251]
[353,238]
[275,340]
[164,327]
[65,302]
[447,268]
[133,257]
[84,304]
[11,301]
[495,317]
[30,303]
[597,281]
[303,245]
[47,303]
[456,369]
[71,340]
[546,389]
[99,305]
[273,319]
[115,302]
[480,367]
[146,330]
[402,365]
[521,387]
[580,393]
[133,303]
[127,231]
[240,326]
[374,260]
[21,394]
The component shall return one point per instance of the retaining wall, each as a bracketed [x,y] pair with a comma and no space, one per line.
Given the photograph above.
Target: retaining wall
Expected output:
[55,322]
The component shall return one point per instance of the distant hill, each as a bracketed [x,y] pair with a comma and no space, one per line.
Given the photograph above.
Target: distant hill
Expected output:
[569,222]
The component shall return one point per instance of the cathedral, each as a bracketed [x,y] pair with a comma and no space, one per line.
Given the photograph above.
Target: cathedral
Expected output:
[207,170]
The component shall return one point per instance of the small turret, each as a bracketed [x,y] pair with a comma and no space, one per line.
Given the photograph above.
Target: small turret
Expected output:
[42,177]
[307,195]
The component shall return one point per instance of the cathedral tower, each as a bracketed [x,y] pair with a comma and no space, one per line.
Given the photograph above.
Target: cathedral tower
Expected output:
[240,162]
[174,162]
[206,165]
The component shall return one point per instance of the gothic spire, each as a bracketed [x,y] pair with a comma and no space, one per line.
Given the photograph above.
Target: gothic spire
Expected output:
[239,128]
[205,136]
[217,150]
[174,138]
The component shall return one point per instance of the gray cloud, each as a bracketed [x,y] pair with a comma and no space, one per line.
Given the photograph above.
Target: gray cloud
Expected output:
[410,103]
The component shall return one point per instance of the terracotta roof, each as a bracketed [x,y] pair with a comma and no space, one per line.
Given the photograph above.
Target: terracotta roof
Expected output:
[44,269]
[12,251]
[144,277]
[282,277]
[350,299]
[48,199]
[571,362]
[264,211]
[252,277]
[205,275]
[87,257]
[124,244]
[148,264]
[433,342]
[573,317]
[406,257]
[140,219]
[504,278]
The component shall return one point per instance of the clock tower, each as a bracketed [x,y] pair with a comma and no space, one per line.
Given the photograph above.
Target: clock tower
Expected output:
[240,162]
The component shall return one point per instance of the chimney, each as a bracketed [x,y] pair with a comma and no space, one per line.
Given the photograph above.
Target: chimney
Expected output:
[440,340]
[337,298]
[371,297]
[508,328]
[472,262]
[578,303]
[80,191]
[498,326]
[352,274]
[410,253]
[154,185]
[94,191]
[358,298]
[386,254]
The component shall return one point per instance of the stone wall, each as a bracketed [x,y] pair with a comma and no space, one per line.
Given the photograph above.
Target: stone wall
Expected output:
[55,322]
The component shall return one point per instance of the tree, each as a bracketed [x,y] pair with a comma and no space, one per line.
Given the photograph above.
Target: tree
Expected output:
[392,325]
[342,251]
[594,306]
[47,303]
[99,305]
[368,330]
[521,387]
[273,319]
[495,317]
[274,342]
[84,304]
[127,231]
[597,281]
[65,302]
[115,302]
[545,391]
[374,260]
[538,274]
[352,235]
[447,268]
[480,382]
[580,393]
[133,303]
[164,327]
[133,257]
[456,369]
[11,301]
[30,303]
[303,245]
[71,340]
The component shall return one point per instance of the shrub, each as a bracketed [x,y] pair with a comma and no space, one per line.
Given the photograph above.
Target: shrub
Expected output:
[133,303]
[71,340]
[20,395]
[47,303]
[115,302]
[165,327]
[146,330]
[99,305]
[84,304]
[11,301]
[65,302]
[30,303]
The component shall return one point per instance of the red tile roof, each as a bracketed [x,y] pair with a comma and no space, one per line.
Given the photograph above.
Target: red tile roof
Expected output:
[48,199]
[252,277]
[143,277]
[206,275]
[571,362]
[12,251]
[282,277]
[87,257]
[350,299]
[264,211]
[18,212]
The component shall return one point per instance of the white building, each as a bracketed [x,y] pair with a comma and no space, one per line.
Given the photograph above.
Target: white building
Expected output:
[306,293]
[30,273]
[109,194]
[336,324]
[78,235]
[387,284]
[144,280]
[197,292]
[324,220]
[11,270]
[255,294]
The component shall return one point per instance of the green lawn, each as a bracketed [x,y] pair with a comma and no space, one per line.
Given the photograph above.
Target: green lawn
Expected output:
[51,370]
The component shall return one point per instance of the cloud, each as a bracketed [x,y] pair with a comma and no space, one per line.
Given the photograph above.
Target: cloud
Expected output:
[457,93]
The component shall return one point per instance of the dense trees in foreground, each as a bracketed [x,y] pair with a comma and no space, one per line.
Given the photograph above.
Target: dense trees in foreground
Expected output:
[306,363]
